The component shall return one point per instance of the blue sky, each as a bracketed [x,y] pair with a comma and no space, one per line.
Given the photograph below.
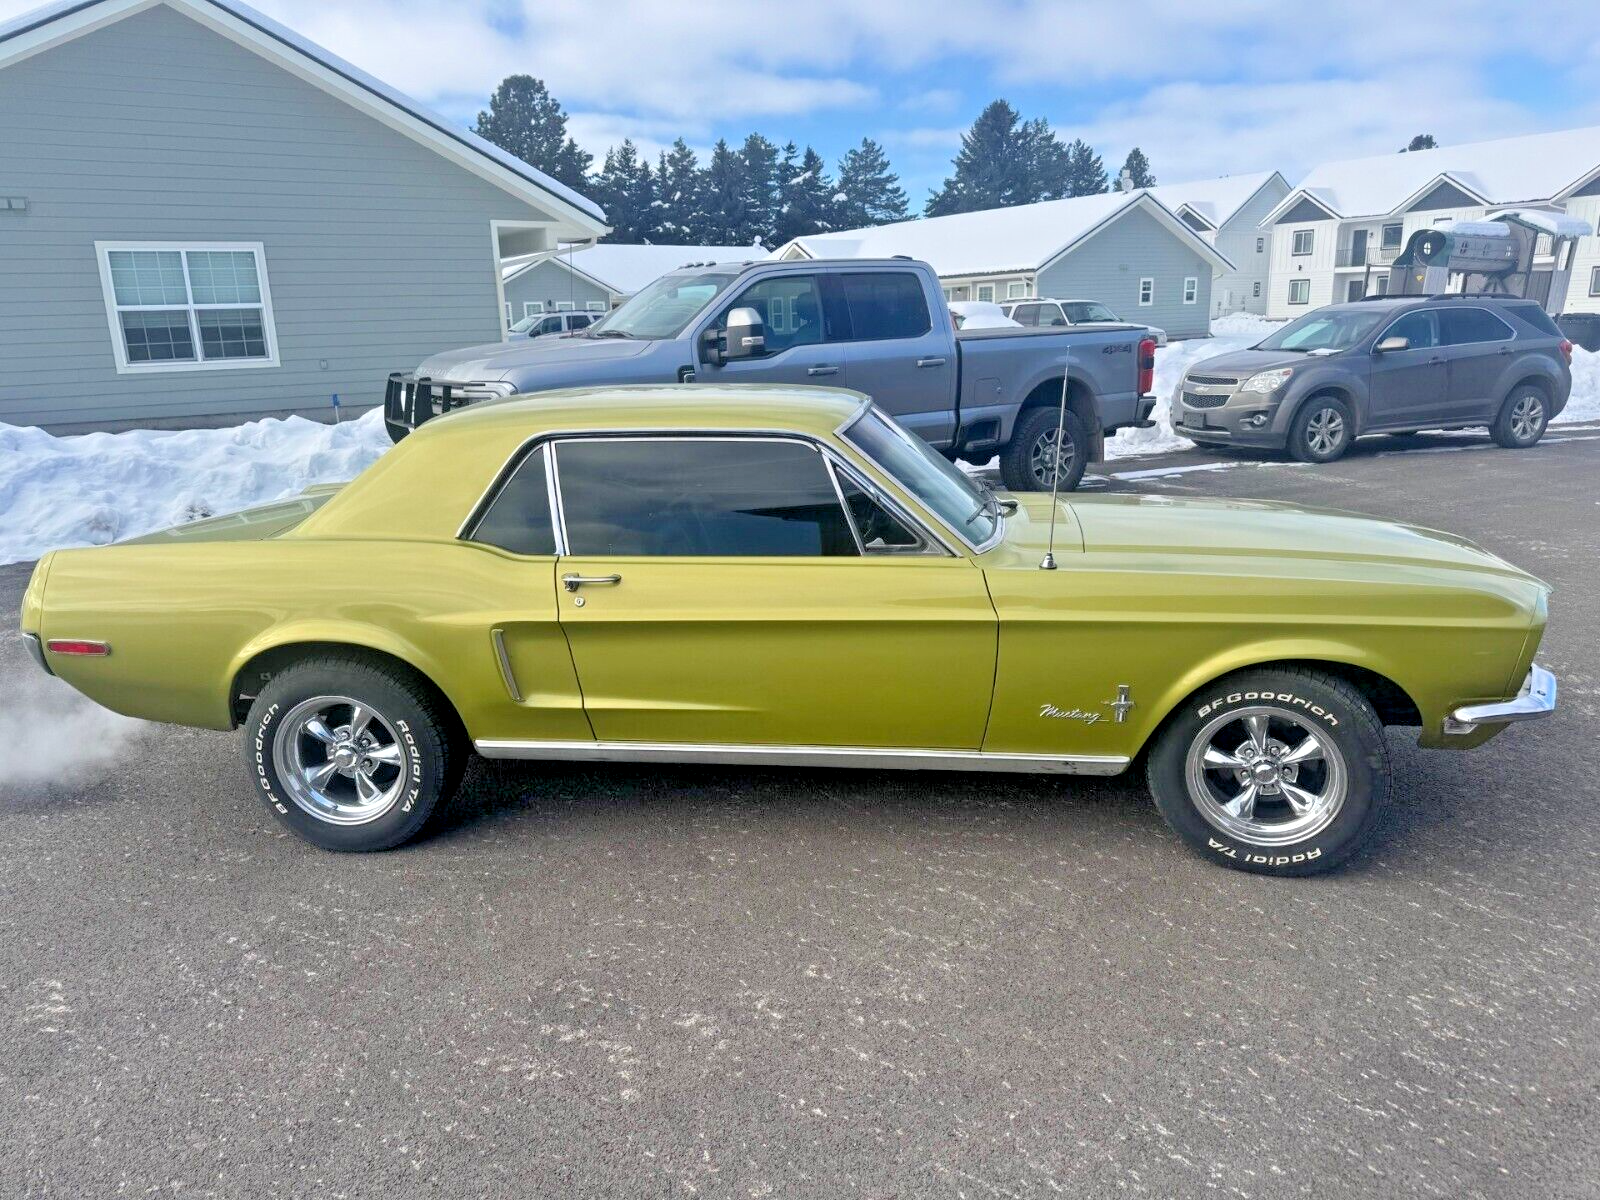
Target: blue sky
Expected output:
[1205,89]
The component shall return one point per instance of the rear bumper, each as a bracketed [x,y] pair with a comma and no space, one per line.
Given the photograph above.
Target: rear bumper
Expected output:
[36,652]
[1536,699]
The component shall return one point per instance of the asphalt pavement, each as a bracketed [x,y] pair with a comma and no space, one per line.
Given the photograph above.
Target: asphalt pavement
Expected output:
[629,981]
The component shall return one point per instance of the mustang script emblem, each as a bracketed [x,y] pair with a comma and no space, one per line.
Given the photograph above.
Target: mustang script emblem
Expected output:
[1119,706]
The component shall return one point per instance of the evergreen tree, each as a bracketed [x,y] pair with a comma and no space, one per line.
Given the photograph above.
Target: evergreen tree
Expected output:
[624,188]
[1423,141]
[679,187]
[1046,169]
[810,203]
[758,161]
[524,119]
[1086,174]
[990,171]
[1137,168]
[869,193]
[723,197]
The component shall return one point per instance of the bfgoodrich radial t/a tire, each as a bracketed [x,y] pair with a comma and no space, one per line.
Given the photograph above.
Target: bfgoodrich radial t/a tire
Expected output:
[1279,771]
[350,754]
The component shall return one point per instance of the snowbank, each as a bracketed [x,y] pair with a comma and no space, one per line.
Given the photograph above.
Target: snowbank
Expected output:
[100,487]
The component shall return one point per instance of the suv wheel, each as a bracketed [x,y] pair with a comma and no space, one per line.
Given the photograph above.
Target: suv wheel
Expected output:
[1322,430]
[1031,458]
[1522,418]
[1279,771]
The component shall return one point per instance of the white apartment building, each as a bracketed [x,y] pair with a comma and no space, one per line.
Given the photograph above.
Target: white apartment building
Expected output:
[1347,221]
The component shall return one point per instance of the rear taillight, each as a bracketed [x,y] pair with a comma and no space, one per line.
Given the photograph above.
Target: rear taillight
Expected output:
[1566,351]
[1147,365]
[77,646]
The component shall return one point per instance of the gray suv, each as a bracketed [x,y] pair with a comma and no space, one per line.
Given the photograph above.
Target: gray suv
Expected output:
[1383,366]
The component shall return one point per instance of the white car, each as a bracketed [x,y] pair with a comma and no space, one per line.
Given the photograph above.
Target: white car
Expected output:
[1034,313]
[980,314]
[539,324]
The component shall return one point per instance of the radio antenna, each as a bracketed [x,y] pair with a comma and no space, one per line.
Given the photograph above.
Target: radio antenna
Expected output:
[1048,562]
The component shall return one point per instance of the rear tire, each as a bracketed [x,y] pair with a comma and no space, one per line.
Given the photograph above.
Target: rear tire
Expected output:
[1281,771]
[349,753]
[1321,431]
[1522,418]
[1025,462]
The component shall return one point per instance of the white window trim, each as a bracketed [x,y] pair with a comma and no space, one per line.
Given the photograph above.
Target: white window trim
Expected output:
[598,306]
[119,346]
[533,308]
[1147,291]
[1017,289]
[1292,283]
[1191,289]
[978,293]
[565,306]
[1594,281]
[509,320]
[1311,243]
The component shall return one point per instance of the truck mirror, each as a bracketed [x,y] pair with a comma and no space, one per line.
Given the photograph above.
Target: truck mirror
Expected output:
[1391,344]
[711,345]
[744,337]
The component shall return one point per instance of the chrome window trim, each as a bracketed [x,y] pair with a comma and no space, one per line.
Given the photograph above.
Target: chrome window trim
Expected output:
[497,484]
[930,547]
[1438,328]
[1511,334]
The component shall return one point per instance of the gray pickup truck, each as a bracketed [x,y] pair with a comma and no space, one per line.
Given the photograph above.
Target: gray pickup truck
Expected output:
[874,326]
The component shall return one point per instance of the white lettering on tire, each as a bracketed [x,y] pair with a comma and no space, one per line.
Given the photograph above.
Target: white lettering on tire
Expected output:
[261,759]
[1290,698]
[1268,860]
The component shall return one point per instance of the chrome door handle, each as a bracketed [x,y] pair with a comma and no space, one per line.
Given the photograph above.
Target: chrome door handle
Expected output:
[822,370]
[573,582]
[930,362]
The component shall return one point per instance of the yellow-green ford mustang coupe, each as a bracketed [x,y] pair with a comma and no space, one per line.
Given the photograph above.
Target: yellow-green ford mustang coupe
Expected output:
[771,575]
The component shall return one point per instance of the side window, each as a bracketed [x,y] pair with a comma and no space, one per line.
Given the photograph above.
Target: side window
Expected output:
[885,305]
[1026,314]
[790,308]
[1464,326]
[550,325]
[579,322]
[688,497]
[1419,328]
[518,519]
[880,531]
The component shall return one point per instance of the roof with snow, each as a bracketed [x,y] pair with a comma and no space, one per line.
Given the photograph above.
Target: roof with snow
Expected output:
[1215,201]
[624,269]
[1520,170]
[998,240]
[55,23]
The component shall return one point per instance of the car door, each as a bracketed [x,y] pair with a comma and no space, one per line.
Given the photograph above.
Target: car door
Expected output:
[1026,315]
[803,343]
[714,590]
[898,355]
[1479,346]
[1408,387]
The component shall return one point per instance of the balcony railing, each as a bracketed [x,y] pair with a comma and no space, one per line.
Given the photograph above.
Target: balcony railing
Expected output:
[1378,256]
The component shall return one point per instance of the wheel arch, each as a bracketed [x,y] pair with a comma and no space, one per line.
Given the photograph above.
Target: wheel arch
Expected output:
[1339,391]
[1081,399]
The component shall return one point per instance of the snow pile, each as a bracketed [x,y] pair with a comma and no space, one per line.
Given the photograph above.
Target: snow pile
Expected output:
[1584,403]
[101,487]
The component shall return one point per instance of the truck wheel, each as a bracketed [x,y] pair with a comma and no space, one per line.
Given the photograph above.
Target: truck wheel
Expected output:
[350,754]
[1028,462]
[1279,771]
[1522,419]
[1321,431]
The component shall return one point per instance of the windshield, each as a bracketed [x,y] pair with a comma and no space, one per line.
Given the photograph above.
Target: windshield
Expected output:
[1080,311]
[1332,329]
[527,323]
[925,473]
[663,308]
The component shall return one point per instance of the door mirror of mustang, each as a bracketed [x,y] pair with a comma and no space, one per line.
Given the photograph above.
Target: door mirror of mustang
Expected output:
[744,336]
[1391,344]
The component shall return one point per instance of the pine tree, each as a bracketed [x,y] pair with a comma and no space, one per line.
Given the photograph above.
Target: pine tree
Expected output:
[1137,168]
[679,215]
[990,171]
[1423,141]
[723,196]
[758,160]
[624,189]
[1086,174]
[524,119]
[869,193]
[810,203]
[1046,170]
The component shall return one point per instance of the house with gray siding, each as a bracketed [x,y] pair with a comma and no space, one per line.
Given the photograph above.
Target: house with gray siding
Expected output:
[1127,250]
[1227,212]
[598,278]
[207,219]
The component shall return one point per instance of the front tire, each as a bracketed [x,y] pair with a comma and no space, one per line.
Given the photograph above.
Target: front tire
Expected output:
[1027,461]
[350,754]
[1321,431]
[1522,419]
[1277,772]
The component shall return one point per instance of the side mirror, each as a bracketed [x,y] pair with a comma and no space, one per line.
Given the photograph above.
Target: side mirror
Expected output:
[1391,344]
[743,338]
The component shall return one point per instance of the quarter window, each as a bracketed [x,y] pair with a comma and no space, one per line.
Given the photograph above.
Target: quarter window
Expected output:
[1303,241]
[176,308]
[885,305]
[1464,326]
[1026,314]
[1147,292]
[879,530]
[790,307]
[519,518]
[692,497]
[1191,289]
[1299,291]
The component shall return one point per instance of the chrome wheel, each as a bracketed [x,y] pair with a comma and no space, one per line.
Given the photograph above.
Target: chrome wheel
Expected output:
[1325,431]
[1264,776]
[1047,460]
[340,760]
[1527,418]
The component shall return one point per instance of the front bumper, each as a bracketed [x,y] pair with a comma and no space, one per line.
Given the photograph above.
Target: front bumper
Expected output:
[409,400]
[1536,699]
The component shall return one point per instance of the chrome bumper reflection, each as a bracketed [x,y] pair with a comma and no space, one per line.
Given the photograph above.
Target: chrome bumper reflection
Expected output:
[1536,699]
[36,652]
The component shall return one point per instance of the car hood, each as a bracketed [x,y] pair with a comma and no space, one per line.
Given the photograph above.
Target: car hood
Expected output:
[1244,363]
[498,360]
[1161,526]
